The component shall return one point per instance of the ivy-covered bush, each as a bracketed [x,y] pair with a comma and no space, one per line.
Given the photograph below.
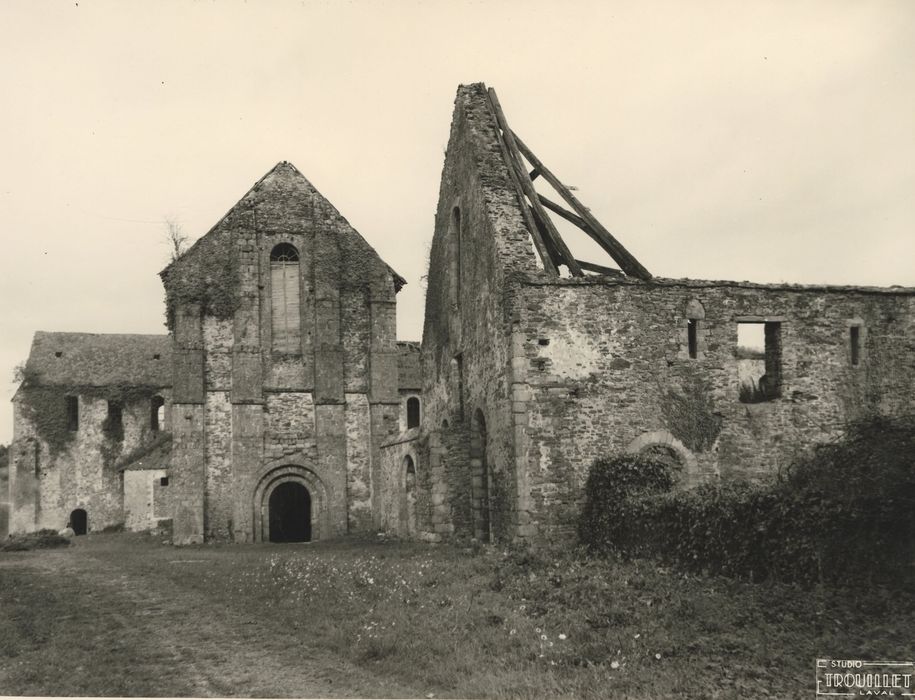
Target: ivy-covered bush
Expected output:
[616,487]
[846,511]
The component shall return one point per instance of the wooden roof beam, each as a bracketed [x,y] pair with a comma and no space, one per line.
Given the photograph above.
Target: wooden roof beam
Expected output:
[549,230]
[546,256]
[623,257]
[600,269]
[565,213]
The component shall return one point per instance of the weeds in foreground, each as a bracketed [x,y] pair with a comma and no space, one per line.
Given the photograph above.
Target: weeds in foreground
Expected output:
[474,622]
[557,623]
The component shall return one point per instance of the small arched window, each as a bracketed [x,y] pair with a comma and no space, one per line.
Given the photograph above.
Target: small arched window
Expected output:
[156,413]
[412,412]
[695,316]
[455,246]
[285,303]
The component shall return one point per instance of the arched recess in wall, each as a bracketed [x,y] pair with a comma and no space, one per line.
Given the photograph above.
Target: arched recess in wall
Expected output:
[305,497]
[285,301]
[409,471]
[663,444]
[454,257]
[480,479]
[453,307]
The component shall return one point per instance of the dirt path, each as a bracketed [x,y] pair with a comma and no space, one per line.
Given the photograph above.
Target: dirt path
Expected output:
[201,646]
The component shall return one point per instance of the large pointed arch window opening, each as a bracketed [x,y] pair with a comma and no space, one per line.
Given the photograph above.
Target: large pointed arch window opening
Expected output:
[285,299]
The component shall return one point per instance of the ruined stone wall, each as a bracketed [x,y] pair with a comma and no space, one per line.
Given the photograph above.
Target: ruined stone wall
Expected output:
[47,483]
[479,233]
[405,499]
[140,486]
[607,368]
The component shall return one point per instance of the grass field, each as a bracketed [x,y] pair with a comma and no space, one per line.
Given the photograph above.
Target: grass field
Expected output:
[126,615]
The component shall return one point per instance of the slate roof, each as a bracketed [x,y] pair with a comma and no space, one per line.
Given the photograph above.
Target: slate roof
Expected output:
[100,359]
[409,366]
[155,455]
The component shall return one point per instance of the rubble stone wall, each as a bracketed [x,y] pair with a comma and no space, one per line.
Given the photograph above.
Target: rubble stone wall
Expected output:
[466,350]
[47,484]
[608,369]
[320,412]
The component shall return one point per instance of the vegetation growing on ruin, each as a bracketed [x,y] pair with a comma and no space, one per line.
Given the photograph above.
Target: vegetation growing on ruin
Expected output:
[207,275]
[844,511]
[689,413]
[45,407]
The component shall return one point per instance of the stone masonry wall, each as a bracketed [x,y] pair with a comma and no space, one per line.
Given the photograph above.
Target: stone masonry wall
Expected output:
[405,506]
[47,485]
[140,488]
[608,368]
[479,233]
[359,484]
[321,411]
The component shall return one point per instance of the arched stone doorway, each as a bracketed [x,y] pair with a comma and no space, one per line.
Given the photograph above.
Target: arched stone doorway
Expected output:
[480,502]
[289,516]
[289,505]
[79,521]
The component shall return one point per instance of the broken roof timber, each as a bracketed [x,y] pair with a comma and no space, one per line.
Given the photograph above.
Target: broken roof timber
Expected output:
[554,243]
[617,251]
[547,240]
[546,256]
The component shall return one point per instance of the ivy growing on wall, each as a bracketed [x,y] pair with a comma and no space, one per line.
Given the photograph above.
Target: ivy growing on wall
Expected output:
[45,407]
[689,413]
[207,275]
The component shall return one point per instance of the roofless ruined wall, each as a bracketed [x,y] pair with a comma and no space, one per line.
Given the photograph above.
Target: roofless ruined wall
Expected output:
[531,375]
[615,365]
[479,236]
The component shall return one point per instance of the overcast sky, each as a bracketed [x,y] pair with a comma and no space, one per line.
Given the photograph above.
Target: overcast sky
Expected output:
[769,141]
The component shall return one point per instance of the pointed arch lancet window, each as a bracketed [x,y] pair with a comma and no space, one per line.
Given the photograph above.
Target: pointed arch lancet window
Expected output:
[285,301]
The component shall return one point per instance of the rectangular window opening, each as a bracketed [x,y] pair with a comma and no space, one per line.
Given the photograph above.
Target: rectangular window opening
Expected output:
[163,481]
[854,338]
[692,337]
[759,361]
[156,413]
[72,413]
[114,423]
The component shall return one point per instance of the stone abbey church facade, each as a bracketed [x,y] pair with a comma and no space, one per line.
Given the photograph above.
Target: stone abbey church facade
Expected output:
[281,407]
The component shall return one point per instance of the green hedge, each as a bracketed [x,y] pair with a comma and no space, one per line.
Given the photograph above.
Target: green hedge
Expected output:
[844,512]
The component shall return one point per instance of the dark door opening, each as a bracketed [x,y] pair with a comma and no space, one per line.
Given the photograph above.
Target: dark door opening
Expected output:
[79,521]
[290,513]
